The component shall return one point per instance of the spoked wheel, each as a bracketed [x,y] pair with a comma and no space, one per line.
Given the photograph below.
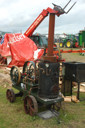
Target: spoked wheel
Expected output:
[15,75]
[30,105]
[29,69]
[10,95]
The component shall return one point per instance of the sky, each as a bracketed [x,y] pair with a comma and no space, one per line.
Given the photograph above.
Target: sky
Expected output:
[18,15]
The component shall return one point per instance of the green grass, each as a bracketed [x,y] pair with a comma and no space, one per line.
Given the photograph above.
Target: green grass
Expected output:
[12,115]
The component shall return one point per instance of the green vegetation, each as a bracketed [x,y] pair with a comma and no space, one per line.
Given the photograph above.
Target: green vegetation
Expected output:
[72,115]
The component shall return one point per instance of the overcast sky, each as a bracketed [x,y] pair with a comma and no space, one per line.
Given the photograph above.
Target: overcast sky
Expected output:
[18,15]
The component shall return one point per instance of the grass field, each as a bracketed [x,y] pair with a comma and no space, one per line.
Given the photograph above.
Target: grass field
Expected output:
[12,115]
[72,115]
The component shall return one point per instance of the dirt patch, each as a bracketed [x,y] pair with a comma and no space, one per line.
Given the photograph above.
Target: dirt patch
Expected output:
[83,121]
[5,77]
[71,126]
[73,57]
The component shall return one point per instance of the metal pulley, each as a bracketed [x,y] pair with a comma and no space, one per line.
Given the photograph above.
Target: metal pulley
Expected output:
[29,69]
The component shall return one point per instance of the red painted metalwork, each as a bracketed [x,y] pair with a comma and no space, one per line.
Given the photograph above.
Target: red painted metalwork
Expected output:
[57,10]
[50,57]
[69,51]
[51,34]
[76,45]
[39,19]
[55,54]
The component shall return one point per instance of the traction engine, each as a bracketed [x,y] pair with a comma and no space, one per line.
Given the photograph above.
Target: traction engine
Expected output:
[38,82]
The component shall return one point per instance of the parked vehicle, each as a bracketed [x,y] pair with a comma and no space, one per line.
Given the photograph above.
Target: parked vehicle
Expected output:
[69,42]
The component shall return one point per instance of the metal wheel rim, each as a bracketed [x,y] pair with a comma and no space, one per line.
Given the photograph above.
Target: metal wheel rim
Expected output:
[31,63]
[29,69]
[10,95]
[30,105]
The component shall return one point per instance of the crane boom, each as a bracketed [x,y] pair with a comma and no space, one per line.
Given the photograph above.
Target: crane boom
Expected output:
[57,10]
[39,19]
[35,24]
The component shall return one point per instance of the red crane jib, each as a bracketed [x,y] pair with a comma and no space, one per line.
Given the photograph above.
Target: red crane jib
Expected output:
[39,19]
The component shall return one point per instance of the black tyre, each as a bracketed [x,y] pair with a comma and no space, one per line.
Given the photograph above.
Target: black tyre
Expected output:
[10,95]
